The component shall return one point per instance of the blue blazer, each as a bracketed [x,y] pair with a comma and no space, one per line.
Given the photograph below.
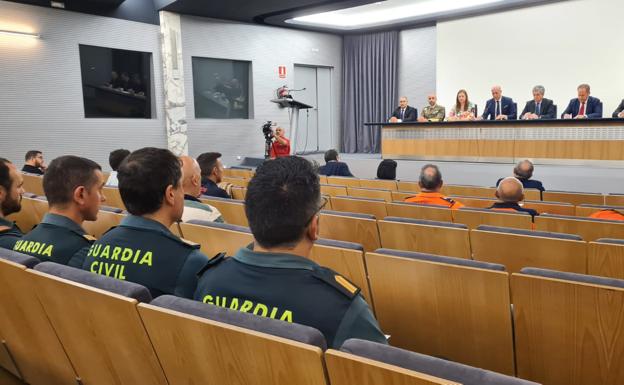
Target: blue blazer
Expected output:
[507,108]
[335,169]
[593,108]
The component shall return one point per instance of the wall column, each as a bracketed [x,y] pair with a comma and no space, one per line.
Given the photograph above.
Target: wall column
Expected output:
[173,81]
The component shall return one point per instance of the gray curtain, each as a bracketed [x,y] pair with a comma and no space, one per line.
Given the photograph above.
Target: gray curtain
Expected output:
[370,65]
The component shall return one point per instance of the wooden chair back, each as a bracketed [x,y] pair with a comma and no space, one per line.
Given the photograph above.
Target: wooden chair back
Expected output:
[105,220]
[415,211]
[31,214]
[456,312]
[474,219]
[233,211]
[374,207]
[605,259]
[351,229]
[474,202]
[586,211]
[216,353]
[423,238]
[370,193]
[96,326]
[516,251]
[343,181]
[568,332]
[574,198]
[400,196]
[333,190]
[589,230]
[33,184]
[323,179]
[215,240]
[557,208]
[238,173]
[471,191]
[408,185]
[614,200]
[113,197]
[379,184]
[240,182]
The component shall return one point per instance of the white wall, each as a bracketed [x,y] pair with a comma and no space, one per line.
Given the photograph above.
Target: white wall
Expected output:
[558,45]
[267,48]
[417,65]
[41,103]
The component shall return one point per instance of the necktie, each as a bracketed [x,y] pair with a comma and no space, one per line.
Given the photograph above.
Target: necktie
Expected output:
[537,109]
[497,112]
[402,113]
[582,110]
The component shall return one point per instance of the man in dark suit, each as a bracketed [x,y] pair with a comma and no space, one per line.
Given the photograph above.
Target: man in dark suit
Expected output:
[584,106]
[499,107]
[619,112]
[539,107]
[333,167]
[524,172]
[404,113]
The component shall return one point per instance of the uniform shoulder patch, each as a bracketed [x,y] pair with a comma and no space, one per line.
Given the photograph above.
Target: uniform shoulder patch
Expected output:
[89,238]
[337,281]
[212,262]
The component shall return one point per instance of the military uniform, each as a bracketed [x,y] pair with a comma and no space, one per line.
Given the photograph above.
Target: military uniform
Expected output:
[9,233]
[292,289]
[56,239]
[144,251]
[434,198]
[434,113]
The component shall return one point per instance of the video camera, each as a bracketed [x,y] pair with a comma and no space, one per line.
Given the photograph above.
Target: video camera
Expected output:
[267,131]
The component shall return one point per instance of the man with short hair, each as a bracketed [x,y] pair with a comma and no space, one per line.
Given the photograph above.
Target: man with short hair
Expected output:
[280,145]
[433,112]
[430,182]
[142,249]
[211,173]
[275,277]
[499,107]
[11,191]
[404,113]
[73,187]
[583,106]
[509,193]
[114,160]
[34,163]
[539,107]
[193,207]
[524,172]
[333,166]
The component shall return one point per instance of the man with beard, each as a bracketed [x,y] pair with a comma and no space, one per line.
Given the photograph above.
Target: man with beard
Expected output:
[11,191]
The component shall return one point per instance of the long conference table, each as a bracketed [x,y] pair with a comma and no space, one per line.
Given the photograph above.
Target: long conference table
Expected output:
[586,141]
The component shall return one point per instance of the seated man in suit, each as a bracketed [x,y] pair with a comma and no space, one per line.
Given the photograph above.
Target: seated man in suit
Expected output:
[430,182]
[539,107]
[523,172]
[11,190]
[403,112]
[499,107]
[509,194]
[73,186]
[333,167]
[584,106]
[619,111]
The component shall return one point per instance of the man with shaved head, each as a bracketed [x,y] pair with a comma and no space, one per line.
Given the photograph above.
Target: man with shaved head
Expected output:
[499,107]
[430,182]
[509,193]
[432,112]
[191,184]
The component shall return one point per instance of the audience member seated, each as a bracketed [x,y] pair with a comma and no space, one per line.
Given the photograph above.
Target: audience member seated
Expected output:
[211,173]
[11,191]
[333,166]
[463,108]
[539,107]
[509,193]
[73,187]
[114,160]
[404,113]
[142,249]
[523,172]
[583,106]
[610,214]
[275,277]
[430,182]
[34,163]
[387,169]
[193,207]
[499,107]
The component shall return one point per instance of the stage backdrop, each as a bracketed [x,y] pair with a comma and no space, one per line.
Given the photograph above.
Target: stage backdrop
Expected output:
[558,45]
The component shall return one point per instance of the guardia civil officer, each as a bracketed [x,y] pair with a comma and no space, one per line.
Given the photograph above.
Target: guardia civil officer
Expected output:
[142,249]
[73,187]
[275,277]
[11,191]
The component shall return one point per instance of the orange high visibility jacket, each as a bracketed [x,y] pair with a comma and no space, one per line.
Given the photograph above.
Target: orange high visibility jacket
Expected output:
[434,199]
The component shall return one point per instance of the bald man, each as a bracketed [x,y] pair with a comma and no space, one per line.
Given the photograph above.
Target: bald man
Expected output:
[509,193]
[433,112]
[499,107]
[191,183]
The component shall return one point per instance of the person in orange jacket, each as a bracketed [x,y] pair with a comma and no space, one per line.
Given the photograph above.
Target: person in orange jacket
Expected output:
[611,214]
[430,182]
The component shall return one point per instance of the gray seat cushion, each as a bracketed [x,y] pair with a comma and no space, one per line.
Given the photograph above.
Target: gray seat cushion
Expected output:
[125,288]
[426,222]
[111,209]
[360,198]
[611,240]
[291,331]
[593,279]
[493,211]
[225,226]
[544,234]
[442,259]
[221,199]
[575,192]
[341,244]
[29,195]
[347,214]
[579,218]
[19,258]
[437,367]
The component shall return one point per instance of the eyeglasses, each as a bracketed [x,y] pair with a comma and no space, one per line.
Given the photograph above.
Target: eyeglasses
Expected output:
[324,201]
